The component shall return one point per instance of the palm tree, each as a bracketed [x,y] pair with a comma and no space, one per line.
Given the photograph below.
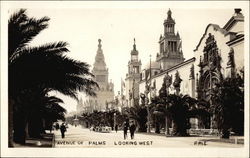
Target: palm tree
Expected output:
[159,111]
[47,112]
[179,108]
[35,71]
[228,103]
[139,114]
[202,111]
[53,112]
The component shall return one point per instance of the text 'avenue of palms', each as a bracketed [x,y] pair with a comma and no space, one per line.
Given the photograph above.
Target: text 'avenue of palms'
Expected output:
[103,143]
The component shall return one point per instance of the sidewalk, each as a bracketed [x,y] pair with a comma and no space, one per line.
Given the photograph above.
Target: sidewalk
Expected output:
[232,140]
[239,140]
[46,142]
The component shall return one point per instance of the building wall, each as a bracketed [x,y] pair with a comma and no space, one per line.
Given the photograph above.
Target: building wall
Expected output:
[239,55]
[128,86]
[101,99]
[186,86]
[237,27]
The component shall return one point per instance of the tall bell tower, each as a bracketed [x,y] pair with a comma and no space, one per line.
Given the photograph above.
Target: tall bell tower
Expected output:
[170,45]
[133,77]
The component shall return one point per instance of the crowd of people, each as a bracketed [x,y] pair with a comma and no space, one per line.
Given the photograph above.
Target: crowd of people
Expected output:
[131,127]
[126,126]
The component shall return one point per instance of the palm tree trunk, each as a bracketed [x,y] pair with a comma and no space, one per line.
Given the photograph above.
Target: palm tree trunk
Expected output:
[225,134]
[19,128]
[179,128]
[157,125]
[35,126]
[167,125]
[175,128]
[10,122]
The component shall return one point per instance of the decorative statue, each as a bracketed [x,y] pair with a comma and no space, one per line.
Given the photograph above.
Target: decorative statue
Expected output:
[143,97]
[191,76]
[147,88]
[154,85]
[230,62]
[163,90]
[177,81]
[130,95]
[167,80]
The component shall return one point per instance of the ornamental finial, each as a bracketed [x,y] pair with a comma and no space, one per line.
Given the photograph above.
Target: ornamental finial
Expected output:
[99,45]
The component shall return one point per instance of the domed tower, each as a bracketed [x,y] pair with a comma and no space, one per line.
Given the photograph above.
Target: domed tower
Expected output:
[170,45]
[133,77]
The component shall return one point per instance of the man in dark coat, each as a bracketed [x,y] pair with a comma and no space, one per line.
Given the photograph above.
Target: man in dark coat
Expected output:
[132,129]
[116,128]
[125,130]
[63,130]
[57,126]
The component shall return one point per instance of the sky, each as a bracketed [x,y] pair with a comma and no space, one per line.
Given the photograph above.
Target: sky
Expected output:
[82,25]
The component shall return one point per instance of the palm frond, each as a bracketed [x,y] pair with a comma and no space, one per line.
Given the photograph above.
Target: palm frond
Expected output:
[18,17]
[44,50]
[21,30]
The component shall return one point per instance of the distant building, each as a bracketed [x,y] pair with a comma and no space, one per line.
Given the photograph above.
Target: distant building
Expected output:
[106,92]
[219,54]
[133,77]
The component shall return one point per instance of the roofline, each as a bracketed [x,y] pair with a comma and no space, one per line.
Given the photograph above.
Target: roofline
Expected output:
[231,22]
[203,36]
[172,68]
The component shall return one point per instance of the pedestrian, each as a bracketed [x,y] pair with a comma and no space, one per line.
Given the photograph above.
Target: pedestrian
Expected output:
[125,130]
[57,126]
[51,128]
[116,128]
[132,129]
[63,130]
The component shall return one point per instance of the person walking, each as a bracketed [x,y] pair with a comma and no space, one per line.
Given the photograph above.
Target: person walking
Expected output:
[116,128]
[132,129]
[125,130]
[57,126]
[63,130]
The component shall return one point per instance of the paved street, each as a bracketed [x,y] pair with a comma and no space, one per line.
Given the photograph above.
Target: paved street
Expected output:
[82,137]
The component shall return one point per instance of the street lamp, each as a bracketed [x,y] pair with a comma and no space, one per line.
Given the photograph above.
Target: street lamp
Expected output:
[114,119]
[148,100]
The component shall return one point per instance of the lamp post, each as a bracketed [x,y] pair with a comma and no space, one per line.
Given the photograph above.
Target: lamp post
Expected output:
[148,100]
[114,119]
[133,92]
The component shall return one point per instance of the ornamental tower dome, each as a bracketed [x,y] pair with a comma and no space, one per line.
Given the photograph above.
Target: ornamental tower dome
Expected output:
[99,58]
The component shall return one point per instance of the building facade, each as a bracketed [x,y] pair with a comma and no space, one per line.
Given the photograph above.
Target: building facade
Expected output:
[105,93]
[219,54]
[133,77]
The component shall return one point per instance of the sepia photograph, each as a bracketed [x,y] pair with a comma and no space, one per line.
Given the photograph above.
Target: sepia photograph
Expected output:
[124,79]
